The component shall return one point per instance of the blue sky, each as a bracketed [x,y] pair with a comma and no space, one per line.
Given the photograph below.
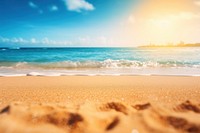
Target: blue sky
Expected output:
[98,23]
[60,22]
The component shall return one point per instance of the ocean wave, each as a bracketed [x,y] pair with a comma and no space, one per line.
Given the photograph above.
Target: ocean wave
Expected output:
[14,48]
[3,49]
[99,64]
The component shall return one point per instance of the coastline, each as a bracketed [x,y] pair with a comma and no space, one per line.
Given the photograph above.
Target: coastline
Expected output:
[104,103]
[151,71]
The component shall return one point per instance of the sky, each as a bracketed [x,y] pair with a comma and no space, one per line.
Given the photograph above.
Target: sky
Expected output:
[98,23]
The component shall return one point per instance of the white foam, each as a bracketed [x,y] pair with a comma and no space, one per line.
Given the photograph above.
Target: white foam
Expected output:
[35,74]
[5,72]
[12,75]
[42,74]
[59,74]
[115,64]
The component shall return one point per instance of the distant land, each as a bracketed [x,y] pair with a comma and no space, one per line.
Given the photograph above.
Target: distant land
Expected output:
[181,44]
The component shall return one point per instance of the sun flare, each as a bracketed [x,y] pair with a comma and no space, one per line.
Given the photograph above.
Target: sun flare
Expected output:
[162,22]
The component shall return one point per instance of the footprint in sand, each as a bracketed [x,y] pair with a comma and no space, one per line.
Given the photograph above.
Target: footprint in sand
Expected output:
[115,106]
[113,124]
[142,106]
[5,110]
[188,106]
[181,124]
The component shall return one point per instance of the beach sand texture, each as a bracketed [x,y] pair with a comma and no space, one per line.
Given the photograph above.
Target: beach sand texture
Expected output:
[98,104]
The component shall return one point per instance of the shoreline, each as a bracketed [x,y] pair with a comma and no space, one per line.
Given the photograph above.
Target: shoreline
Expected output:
[97,75]
[60,74]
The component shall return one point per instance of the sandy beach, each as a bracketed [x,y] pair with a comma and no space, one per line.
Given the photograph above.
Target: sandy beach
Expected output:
[98,104]
[94,66]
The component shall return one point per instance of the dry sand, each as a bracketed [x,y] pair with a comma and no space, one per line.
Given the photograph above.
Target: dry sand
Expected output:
[98,104]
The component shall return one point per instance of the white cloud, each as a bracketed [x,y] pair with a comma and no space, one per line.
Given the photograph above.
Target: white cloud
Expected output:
[131,19]
[166,20]
[33,40]
[197,2]
[94,41]
[78,5]
[4,40]
[80,41]
[54,8]
[13,40]
[32,5]
[45,41]
[21,40]
[189,15]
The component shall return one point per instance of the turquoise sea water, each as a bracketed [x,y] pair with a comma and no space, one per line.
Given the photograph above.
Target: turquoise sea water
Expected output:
[99,61]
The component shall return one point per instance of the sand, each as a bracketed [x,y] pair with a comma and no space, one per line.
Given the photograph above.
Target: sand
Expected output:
[98,104]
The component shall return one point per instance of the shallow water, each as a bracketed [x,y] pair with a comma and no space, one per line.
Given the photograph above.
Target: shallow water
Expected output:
[99,61]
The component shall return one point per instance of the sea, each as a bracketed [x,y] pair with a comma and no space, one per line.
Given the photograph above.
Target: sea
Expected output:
[175,61]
